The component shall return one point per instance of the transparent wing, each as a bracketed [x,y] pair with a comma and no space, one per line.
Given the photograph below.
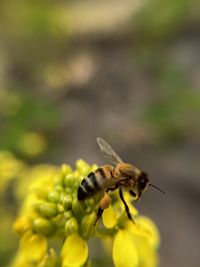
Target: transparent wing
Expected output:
[107,151]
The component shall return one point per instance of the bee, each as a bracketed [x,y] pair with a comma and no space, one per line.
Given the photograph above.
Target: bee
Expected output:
[118,175]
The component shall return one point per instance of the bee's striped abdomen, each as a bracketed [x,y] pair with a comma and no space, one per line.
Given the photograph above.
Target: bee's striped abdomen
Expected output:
[92,184]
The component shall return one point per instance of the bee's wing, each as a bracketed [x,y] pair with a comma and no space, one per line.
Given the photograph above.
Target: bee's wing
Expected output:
[107,151]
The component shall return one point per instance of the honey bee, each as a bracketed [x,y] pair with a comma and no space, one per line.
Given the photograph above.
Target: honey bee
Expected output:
[119,175]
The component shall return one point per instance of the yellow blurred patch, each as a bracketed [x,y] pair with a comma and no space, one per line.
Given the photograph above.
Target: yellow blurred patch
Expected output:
[32,144]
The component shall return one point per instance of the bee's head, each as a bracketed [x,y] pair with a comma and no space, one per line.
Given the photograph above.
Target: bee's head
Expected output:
[140,186]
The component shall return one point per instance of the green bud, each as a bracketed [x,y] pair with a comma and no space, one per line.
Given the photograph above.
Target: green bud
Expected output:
[71,226]
[87,225]
[68,190]
[76,184]
[80,164]
[69,180]
[59,188]
[43,226]
[58,220]
[54,196]
[58,181]
[60,208]
[78,175]
[47,210]
[68,214]
[78,207]
[88,209]
[65,169]
[82,167]
[67,202]
[90,202]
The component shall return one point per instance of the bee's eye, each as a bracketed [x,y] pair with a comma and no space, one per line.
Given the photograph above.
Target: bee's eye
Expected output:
[142,182]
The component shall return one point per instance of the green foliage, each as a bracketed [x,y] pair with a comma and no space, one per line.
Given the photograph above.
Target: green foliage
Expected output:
[24,113]
[159,19]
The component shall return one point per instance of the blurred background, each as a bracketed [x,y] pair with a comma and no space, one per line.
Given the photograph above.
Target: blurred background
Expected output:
[127,71]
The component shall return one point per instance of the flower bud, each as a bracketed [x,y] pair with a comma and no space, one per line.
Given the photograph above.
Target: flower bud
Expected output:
[43,226]
[81,164]
[68,214]
[78,175]
[90,202]
[58,181]
[68,190]
[22,225]
[71,226]
[54,196]
[68,180]
[67,202]
[77,207]
[82,167]
[87,225]
[65,169]
[58,188]
[76,184]
[47,210]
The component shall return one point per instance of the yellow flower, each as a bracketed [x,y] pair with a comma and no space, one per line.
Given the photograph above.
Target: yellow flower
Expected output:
[33,247]
[74,251]
[51,209]
[124,250]
[136,244]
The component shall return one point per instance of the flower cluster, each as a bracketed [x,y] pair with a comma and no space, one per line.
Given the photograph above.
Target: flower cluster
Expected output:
[55,227]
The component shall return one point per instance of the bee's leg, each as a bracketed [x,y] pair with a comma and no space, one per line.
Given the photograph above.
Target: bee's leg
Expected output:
[103,204]
[125,205]
[99,214]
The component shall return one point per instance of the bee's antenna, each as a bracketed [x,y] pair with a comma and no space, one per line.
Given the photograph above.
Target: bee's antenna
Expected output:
[157,188]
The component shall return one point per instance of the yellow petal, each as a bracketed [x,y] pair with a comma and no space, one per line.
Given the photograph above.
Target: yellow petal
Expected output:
[124,250]
[148,257]
[74,251]
[109,217]
[146,228]
[147,239]
[33,246]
